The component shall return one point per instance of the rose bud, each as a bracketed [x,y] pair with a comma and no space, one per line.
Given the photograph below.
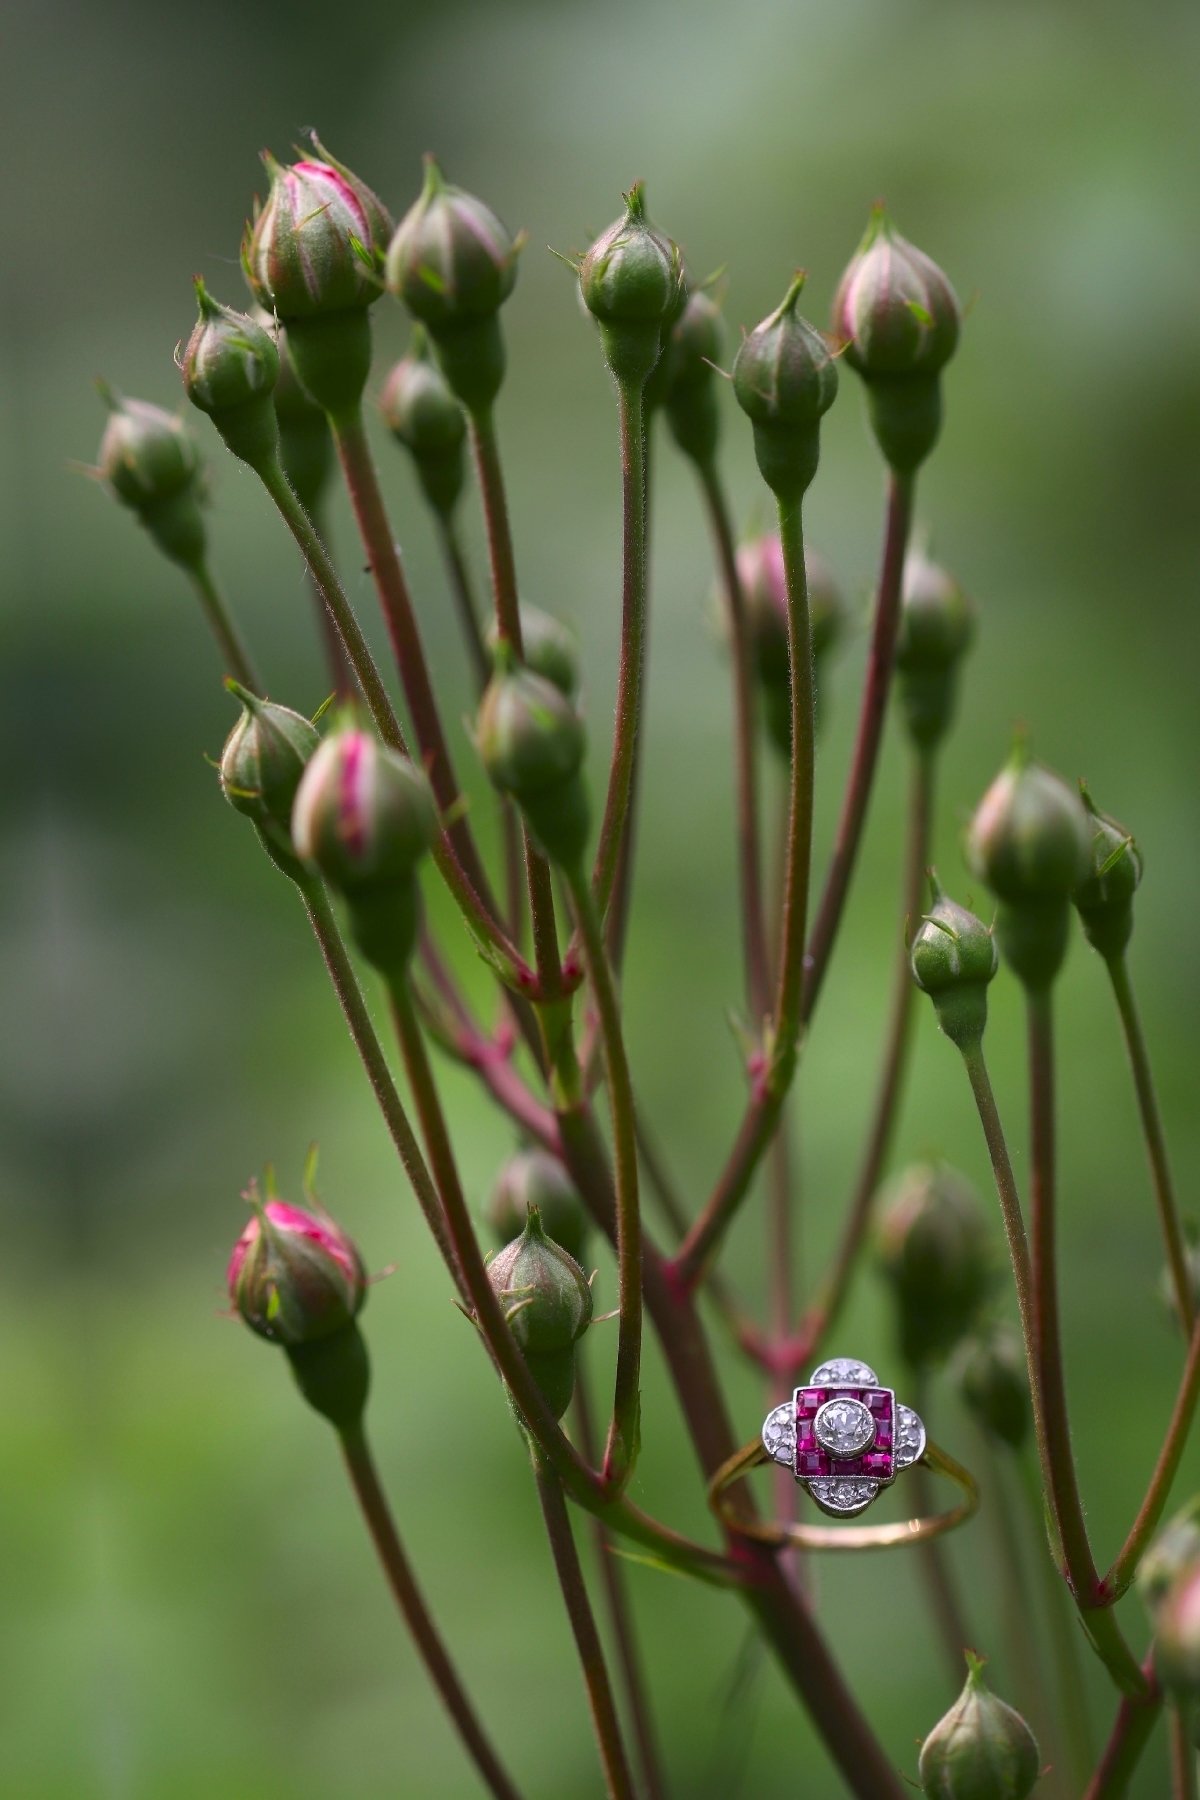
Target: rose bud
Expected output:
[898,320]
[312,256]
[953,958]
[535,1179]
[422,414]
[1030,840]
[453,264]
[548,649]
[981,1750]
[1104,898]
[263,760]
[995,1384]
[297,1279]
[935,1253]
[937,623]
[785,378]
[686,379]
[548,1303]
[365,816]
[764,595]
[1174,1551]
[230,368]
[531,743]
[1177,1633]
[150,463]
[632,283]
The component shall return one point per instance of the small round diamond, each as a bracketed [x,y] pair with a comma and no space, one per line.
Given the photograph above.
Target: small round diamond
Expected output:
[844,1427]
[843,1371]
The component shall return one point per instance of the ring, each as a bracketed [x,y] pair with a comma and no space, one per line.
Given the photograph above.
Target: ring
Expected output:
[845,1439]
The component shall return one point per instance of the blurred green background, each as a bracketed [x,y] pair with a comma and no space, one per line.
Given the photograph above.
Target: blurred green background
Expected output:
[189,1606]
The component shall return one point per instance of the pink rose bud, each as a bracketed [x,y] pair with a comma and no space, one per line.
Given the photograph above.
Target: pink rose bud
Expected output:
[295,1276]
[314,247]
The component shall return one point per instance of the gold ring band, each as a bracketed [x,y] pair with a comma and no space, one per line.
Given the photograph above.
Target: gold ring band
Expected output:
[840,1537]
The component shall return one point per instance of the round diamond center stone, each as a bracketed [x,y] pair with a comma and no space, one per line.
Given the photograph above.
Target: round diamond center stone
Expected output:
[844,1427]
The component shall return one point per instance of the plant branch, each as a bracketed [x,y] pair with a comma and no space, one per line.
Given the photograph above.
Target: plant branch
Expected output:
[617,1779]
[221,623]
[1165,1469]
[1136,1718]
[416,1615]
[1155,1139]
[852,819]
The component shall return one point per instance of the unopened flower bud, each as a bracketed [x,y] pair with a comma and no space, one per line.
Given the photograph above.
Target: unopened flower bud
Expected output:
[230,368]
[544,1287]
[953,959]
[1104,898]
[1174,1552]
[935,1254]
[313,257]
[295,1276]
[632,283]
[995,1384]
[150,462]
[689,372]
[764,595]
[547,647]
[1030,841]
[453,264]
[937,623]
[898,319]
[422,414]
[531,741]
[534,1178]
[1177,1633]
[263,760]
[365,816]
[981,1750]
[785,379]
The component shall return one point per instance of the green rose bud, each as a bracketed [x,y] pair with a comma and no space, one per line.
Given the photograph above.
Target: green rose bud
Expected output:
[453,264]
[548,1303]
[533,1179]
[898,319]
[149,461]
[1030,841]
[1104,898]
[981,1750]
[935,1254]
[230,368]
[1177,1633]
[785,379]
[548,649]
[690,379]
[632,283]
[532,745]
[937,623]
[422,414]
[953,959]
[995,1384]
[264,757]
[1174,1552]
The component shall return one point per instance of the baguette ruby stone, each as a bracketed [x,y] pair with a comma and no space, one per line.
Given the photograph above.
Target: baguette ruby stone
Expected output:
[813,1460]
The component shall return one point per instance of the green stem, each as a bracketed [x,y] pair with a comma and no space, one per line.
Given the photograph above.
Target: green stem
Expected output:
[1183,1758]
[336,660]
[848,836]
[621,1449]
[754,930]
[1156,1143]
[1136,1718]
[629,1661]
[633,636]
[1165,1469]
[1061,1624]
[471,902]
[464,599]
[831,1296]
[416,1615]
[945,1601]
[508,625]
[771,1084]
[617,1779]
[221,623]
